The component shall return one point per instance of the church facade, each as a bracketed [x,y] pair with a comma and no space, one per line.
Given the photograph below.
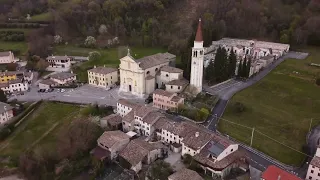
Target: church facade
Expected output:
[139,76]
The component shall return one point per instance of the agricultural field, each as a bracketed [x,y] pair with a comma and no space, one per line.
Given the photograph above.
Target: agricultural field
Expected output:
[280,106]
[42,17]
[40,127]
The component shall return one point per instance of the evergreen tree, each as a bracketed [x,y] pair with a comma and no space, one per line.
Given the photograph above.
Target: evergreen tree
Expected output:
[224,65]
[232,64]
[239,69]
[217,64]
[248,68]
[3,97]
[244,68]
[210,72]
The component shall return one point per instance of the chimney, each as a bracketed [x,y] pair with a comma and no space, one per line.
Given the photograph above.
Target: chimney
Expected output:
[197,134]
[279,177]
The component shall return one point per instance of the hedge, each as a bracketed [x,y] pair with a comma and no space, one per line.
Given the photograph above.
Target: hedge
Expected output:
[19,25]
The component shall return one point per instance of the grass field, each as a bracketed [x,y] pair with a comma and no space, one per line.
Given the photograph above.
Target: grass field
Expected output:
[22,46]
[280,106]
[109,57]
[49,117]
[42,17]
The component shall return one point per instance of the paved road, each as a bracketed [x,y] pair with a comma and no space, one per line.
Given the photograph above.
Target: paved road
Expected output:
[258,159]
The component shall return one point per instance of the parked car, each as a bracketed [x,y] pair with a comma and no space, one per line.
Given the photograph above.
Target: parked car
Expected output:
[149,100]
[41,90]
[62,90]
[50,90]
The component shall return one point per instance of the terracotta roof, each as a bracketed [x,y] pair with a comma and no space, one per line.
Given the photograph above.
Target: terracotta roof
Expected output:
[113,119]
[127,103]
[185,174]
[194,136]
[162,92]
[100,153]
[62,75]
[178,82]
[238,157]
[103,70]
[9,73]
[129,117]
[315,161]
[110,138]
[273,173]
[199,32]
[136,150]
[3,85]
[15,81]
[2,54]
[153,117]
[154,60]
[142,111]
[48,82]
[170,69]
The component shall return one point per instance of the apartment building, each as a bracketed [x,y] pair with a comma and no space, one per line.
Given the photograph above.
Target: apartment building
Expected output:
[63,78]
[104,77]
[12,86]
[59,63]
[167,74]
[124,107]
[6,113]
[313,172]
[166,100]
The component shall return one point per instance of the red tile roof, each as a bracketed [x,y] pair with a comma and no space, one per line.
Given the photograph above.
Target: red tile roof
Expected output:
[273,173]
[199,32]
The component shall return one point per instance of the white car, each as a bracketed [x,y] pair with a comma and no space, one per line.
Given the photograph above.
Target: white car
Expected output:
[62,90]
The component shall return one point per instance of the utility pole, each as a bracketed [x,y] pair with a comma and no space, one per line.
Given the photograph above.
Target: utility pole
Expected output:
[252,137]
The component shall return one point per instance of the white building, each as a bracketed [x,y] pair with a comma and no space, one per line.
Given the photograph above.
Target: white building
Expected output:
[6,57]
[6,113]
[17,85]
[47,84]
[59,63]
[124,107]
[63,78]
[138,76]
[197,60]
[167,74]
[104,77]
[314,167]
[176,86]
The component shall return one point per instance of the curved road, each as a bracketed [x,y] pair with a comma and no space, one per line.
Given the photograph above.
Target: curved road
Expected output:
[258,159]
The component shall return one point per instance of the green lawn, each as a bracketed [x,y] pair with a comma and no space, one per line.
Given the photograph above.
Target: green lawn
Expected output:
[22,46]
[29,133]
[109,57]
[25,30]
[280,106]
[42,17]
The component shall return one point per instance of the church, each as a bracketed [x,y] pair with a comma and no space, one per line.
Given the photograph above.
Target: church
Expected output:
[142,76]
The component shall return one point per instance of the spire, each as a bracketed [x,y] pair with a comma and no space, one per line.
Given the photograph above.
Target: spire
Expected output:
[128,54]
[199,32]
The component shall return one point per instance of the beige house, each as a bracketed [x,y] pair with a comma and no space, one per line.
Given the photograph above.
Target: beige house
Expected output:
[113,142]
[139,152]
[104,77]
[176,86]
[47,84]
[59,63]
[6,113]
[167,74]
[63,78]
[185,174]
[138,76]
[166,100]
[6,57]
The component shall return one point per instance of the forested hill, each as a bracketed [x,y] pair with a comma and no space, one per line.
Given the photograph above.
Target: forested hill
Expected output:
[171,22]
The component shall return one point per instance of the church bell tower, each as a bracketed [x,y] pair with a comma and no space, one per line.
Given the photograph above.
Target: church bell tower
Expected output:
[197,59]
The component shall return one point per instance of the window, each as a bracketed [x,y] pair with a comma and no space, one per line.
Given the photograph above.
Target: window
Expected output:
[171,87]
[179,87]
[310,177]
[318,174]
[312,171]
[231,150]
[148,72]
[167,75]
[156,69]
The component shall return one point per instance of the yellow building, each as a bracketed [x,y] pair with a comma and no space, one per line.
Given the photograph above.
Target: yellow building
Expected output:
[7,76]
[105,77]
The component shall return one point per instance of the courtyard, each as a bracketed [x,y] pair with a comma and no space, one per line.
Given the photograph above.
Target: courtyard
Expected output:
[280,108]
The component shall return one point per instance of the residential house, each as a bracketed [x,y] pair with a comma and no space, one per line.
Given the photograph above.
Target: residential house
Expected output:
[6,57]
[104,77]
[7,76]
[167,74]
[166,100]
[144,124]
[176,86]
[185,174]
[124,107]
[59,63]
[275,173]
[113,122]
[63,78]
[12,86]
[313,172]
[47,84]
[28,76]
[6,113]
[139,152]
[112,142]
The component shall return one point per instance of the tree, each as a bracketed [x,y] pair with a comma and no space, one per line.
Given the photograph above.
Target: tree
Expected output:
[284,39]
[221,65]
[90,41]
[57,39]
[240,69]
[232,64]
[160,170]
[42,65]
[248,68]
[103,29]
[3,97]
[318,81]
[39,43]
[209,72]
[94,55]
[244,68]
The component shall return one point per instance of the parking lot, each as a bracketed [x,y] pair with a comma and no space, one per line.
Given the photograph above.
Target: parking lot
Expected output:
[85,94]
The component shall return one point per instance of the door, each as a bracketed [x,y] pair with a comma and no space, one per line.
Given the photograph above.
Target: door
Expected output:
[130,89]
